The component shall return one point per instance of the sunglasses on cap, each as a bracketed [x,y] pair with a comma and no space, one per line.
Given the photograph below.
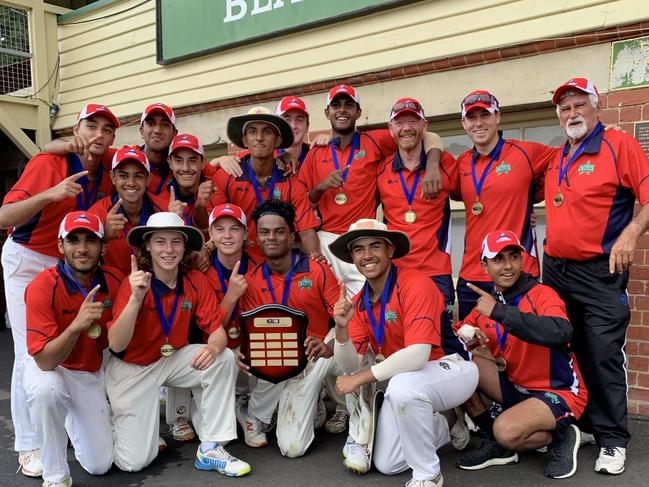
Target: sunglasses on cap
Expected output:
[407,104]
[485,98]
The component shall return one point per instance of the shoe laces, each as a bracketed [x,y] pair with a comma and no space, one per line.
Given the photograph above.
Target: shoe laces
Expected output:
[609,451]
[339,417]
[222,453]
[27,457]
[357,449]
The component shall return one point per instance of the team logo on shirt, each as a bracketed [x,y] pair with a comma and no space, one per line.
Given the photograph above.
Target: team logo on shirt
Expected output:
[586,168]
[390,316]
[359,154]
[186,306]
[305,283]
[100,195]
[107,304]
[503,168]
[277,194]
[552,397]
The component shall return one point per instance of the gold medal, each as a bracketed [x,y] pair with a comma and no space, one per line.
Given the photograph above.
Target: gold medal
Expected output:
[233,332]
[501,363]
[340,198]
[477,208]
[94,331]
[558,199]
[379,358]
[410,216]
[167,350]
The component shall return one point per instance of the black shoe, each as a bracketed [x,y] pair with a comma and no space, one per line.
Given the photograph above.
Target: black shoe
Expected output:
[563,455]
[487,453]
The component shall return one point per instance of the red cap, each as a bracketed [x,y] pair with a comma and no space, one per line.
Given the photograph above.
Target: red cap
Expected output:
[342,90]
[93,109]
[127,153]
[404,105]
[160,108]
[496,241]
[582,84]
[186,141]
[233,211]
[81,219]
[291,103]
[479,99]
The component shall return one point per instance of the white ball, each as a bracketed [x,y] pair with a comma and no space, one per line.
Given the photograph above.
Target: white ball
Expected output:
[466,332]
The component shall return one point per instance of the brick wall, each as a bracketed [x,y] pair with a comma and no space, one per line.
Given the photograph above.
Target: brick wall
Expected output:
[624,108]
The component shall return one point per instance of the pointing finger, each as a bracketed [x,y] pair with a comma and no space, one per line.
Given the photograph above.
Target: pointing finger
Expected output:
[477,290]
[76,176]
[115,207]
[343,291]
[172,194]
[134,268]
[92,293]
[235,270]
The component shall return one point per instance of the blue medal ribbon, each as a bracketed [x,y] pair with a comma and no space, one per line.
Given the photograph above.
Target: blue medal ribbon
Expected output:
[189,200]
[563,170]
[502,337]
[409,193]
[255,183]
[495,154]
[88,195]
[165,321]
[287,281]
[95,281]
[303,153]
[377,328]
[355,142]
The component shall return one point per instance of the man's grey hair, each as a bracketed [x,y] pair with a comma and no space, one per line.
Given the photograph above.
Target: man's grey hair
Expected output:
[594,101]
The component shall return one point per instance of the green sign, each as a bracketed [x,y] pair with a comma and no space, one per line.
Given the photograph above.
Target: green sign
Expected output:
[630,64]
[189,28]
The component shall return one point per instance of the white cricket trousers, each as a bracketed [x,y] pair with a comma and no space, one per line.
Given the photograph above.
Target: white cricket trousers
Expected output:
[21,265]
[410,427]
[70,403]
[133,393]
[347,273]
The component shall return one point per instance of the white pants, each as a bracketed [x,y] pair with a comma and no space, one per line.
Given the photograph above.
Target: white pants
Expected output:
[133,394]
[298,400]
[21,265]
[410,427]
[70,403]
[347,273]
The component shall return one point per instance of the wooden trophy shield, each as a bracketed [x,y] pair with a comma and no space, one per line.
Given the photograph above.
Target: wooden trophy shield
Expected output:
[272,341]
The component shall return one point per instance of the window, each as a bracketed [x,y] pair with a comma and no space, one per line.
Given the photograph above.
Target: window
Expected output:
[15,55]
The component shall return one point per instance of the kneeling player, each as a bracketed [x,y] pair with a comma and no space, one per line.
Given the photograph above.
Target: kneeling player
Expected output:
[534,375]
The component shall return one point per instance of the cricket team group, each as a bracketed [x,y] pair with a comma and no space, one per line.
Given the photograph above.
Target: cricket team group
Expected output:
[127,270]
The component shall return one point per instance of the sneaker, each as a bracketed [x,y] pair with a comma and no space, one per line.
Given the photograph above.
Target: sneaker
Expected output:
[487,453]
[320,415]
[162,444]
[220,460]
[253,433]
[436,482]
[611,460]
[64,483]
[357,458]
[30,463]
[182,431]
[337,423]
[457,428]
[563,455]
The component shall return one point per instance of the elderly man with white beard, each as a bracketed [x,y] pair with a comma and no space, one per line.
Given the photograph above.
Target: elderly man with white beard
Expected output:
[592,185]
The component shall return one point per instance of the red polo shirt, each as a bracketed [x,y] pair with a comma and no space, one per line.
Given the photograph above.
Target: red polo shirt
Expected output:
[53,301]
[43,172]
[314,290]
[118,252]
[240,191]
[197,304]
[360,185]
[599,194]
[507,196]
[536,367]
[279,152]
[412,316]
[188,212]
[430,238]
[246,265]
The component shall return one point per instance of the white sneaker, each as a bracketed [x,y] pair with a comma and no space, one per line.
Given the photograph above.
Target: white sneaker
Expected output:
[64,483]
[253,434]
[436,482]
[337,423]
[30,463]
[220,460]
[611,460]
[320,415]
[357,458]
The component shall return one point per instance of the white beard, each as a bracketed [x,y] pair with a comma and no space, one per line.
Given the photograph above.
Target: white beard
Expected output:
[576,132]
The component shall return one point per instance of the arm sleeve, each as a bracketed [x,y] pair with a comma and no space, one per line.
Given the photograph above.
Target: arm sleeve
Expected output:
[346,357]
[41,173]
[548,326]
[413,357]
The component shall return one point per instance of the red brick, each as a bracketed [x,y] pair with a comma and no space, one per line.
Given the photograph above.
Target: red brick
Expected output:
[636,316]
[638,333]
[645,112]
[631,378]
[509,52]
[428,67]
[643,241]
[633,407]
[643,349]
[641,303]
[637,96]
[630,114]
[631,348]
[527,49]
[567,42]
[607,35]
[636,286]
[643,409]
[639,364]
[627,127]
[474,58]
[457,61]
[642,380]
[493,55]
[609,116]
[396,73]
[640,272]
[586,39]
[641,394]
[411,70]
[442,65]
